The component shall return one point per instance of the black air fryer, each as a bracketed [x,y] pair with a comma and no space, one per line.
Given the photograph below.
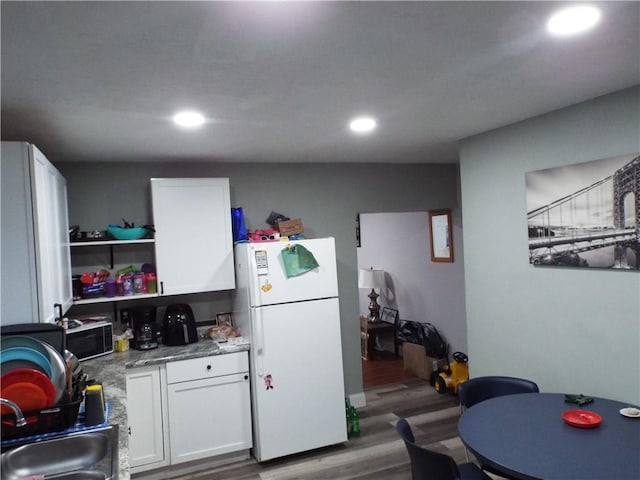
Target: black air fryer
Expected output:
[179,325]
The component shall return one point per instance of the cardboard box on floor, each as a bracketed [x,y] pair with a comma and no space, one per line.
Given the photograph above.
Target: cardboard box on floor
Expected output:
[416,361]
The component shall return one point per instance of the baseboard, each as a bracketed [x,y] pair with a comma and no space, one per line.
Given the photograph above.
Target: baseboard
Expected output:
[358,400]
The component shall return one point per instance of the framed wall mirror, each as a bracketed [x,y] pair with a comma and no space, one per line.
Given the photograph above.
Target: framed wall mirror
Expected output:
[441,235]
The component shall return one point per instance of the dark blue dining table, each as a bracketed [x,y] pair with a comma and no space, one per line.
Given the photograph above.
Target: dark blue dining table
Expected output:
[525,436]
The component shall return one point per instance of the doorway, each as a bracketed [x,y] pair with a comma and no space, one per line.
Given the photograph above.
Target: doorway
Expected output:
[387,241]
[421,290]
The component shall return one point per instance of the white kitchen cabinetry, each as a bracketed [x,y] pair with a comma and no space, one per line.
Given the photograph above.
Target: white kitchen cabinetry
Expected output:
[209,406]
[194,241]
[147,418]
[36,267]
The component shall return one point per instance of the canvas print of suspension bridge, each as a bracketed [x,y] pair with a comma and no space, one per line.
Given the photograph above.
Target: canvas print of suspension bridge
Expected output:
[586,214]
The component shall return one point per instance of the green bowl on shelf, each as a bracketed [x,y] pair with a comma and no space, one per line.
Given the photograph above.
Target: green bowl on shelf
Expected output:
[119,233]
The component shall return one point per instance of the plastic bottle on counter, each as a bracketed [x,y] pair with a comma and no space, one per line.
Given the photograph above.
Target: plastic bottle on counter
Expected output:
[110,287]
[127,285]
[152,283]
[119,286]
[139,283]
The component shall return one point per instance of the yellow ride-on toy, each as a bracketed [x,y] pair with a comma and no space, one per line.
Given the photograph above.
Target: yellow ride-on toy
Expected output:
[449,379]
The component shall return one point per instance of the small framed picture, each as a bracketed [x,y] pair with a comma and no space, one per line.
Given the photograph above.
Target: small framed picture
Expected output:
[224,319]
[388,315]
[441,234]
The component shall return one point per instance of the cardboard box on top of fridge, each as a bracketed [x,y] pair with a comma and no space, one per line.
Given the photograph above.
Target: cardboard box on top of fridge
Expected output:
[416,361]
[290,227]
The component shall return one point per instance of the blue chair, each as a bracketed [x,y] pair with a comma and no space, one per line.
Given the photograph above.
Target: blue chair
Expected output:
[479,389]
[429,465]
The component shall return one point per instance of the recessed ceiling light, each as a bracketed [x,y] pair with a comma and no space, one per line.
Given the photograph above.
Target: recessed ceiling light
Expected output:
[363,125]
[573,20]
[188,119]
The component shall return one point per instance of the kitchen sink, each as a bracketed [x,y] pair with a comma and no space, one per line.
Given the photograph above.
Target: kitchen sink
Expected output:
[84,455]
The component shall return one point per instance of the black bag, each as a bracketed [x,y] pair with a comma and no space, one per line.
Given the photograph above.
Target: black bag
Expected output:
[425,334]
[408,331]
[433,343]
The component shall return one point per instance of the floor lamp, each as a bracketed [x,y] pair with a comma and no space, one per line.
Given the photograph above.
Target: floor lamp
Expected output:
[372,279]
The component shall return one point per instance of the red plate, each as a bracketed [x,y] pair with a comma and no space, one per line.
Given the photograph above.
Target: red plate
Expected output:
[26,395]
[27,387]
[581,418]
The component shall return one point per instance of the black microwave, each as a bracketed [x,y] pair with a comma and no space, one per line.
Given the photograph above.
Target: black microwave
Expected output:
[90,340]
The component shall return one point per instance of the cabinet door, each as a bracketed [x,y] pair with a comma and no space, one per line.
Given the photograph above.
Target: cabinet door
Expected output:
[144,414]
[194,242]
[62,254]
[209,417]
[18,273]
[36,267]
[51,233]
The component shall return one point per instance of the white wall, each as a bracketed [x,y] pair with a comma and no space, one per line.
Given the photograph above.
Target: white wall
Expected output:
[570,330]
[418,288]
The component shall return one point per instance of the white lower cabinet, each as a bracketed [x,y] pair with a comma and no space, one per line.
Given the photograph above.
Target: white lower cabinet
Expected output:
[188,410]
[209,406]
[146,417]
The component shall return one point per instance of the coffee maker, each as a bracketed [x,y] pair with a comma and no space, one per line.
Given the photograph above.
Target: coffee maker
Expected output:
[145,329]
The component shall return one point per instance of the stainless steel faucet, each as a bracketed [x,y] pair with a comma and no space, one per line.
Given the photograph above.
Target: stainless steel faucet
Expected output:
[20,421]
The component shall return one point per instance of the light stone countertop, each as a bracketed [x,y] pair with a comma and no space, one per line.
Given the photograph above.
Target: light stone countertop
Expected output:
[111,371]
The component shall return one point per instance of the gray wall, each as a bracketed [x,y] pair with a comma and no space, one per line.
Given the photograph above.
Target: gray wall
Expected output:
[325,196]
[571,330]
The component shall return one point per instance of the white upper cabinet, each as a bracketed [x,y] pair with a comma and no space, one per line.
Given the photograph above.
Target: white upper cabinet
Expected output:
[194,241]
[36,267]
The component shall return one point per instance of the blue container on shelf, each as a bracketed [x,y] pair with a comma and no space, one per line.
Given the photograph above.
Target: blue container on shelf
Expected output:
[238,226]
[119,233]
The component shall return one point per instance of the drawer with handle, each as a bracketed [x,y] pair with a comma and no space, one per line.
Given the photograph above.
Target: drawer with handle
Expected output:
[207,367]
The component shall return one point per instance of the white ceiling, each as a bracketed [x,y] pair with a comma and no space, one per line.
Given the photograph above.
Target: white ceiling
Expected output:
[99,81]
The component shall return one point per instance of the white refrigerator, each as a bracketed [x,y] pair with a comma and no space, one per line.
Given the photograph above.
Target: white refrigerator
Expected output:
[293,324]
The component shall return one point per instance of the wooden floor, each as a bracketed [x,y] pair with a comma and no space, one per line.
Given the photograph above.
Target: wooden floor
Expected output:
[384,369]
[377,454]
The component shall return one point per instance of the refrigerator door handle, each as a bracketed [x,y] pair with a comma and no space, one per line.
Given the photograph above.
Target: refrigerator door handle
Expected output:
[259,342]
